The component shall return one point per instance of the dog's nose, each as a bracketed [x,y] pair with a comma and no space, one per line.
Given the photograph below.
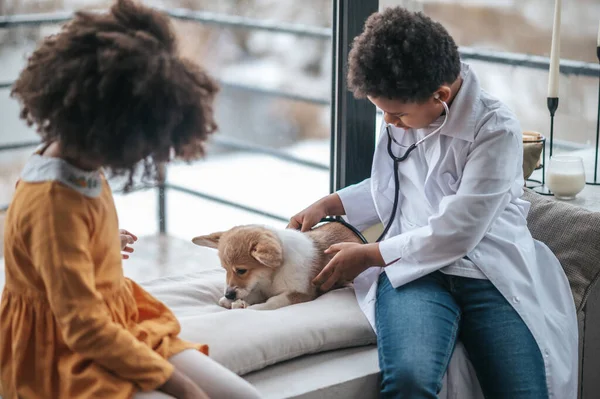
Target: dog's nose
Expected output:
[230,293]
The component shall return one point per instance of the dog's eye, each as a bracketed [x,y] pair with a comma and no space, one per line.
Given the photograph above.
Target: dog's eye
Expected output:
[241,271]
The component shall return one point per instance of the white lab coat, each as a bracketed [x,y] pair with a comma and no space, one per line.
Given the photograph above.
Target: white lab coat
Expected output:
[473,187]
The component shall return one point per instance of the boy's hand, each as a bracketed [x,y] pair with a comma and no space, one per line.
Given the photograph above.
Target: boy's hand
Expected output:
[350,260]
[126,239]
[308,218]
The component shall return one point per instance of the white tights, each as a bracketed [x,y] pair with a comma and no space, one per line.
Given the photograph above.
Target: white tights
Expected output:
[214,379]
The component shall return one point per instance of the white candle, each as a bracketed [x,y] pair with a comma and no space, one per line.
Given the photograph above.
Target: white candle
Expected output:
[555,53]
[598,35]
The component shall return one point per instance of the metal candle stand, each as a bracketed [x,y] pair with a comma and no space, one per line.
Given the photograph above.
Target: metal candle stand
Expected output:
[595,182]
[552,107]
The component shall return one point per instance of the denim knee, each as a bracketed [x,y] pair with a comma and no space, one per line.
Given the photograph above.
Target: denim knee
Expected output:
[404,380]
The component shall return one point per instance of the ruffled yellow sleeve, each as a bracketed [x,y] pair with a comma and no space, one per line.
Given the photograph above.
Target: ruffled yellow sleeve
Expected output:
[60,247]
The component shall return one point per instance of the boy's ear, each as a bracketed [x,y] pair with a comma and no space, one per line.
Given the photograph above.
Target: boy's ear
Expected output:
[210,241]
[443,93]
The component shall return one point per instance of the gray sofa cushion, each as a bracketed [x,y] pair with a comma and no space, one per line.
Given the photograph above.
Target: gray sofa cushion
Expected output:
[573,234]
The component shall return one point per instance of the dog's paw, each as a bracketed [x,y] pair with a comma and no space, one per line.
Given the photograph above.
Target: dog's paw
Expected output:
[239,304]
[224,302]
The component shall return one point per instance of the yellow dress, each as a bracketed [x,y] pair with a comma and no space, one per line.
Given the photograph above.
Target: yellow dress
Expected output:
[71,325]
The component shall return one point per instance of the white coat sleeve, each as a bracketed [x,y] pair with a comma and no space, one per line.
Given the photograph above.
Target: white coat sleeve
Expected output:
[358,205]
[486,188]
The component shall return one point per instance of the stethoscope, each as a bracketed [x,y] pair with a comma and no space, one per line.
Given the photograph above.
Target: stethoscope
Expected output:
[397,161]
[402,158]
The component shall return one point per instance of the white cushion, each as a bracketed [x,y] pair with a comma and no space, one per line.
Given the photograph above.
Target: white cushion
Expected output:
[247,340]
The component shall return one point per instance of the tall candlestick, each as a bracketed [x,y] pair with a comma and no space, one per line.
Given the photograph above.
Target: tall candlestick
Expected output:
[555,53]
[595,182]
[552,100]
[597,122]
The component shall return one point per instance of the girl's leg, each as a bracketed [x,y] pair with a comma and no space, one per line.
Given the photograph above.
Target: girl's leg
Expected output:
[417,326]
[506,357]
[152,395]
[217,381]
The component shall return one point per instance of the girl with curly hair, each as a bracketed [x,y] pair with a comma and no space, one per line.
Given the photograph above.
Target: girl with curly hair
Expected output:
[108,92]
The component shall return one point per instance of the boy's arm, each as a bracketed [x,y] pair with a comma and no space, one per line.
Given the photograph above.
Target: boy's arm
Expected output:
[486,188]
[358,204]
[60,246]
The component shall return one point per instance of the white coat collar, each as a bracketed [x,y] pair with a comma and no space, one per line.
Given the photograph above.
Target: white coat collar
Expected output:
[41,169]
[464,109]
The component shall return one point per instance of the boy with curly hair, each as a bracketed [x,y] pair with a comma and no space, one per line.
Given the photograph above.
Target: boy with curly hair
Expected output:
[458,263]
[108,91]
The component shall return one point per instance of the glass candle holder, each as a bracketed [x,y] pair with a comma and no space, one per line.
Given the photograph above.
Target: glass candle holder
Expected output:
[566,176]
[533,154]
[534,140]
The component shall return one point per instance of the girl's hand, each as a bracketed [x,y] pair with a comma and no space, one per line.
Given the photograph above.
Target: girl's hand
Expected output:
[350,260]
[126,239]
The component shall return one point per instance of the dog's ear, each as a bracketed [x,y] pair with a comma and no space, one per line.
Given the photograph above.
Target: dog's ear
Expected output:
[211,240]
[268,251]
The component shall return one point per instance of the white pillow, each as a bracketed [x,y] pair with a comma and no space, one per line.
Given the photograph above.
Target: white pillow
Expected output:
[248,340]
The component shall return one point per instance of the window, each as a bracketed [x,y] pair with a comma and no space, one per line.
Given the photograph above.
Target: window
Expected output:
[273,152]
[290,132]
[270,157]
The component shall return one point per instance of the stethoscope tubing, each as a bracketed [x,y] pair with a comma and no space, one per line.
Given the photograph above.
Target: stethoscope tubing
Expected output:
[397,161]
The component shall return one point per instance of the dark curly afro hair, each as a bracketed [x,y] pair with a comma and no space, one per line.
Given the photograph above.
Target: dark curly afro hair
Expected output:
[112,88]
[402,56]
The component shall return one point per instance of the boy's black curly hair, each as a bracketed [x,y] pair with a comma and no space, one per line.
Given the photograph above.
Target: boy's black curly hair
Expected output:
[112,88]
[403,56]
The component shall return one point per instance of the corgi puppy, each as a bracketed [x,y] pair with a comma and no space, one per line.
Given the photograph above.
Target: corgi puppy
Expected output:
[271,268]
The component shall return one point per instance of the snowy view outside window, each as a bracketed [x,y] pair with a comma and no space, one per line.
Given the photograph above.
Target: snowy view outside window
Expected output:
[302,66]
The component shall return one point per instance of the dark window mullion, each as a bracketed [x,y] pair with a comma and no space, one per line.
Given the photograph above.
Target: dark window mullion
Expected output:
[353,121]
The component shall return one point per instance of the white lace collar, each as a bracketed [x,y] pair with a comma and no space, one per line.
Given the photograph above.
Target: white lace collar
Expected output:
[41,169]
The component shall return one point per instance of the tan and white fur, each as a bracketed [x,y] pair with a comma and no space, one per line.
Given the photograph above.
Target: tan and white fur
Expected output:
[271,268]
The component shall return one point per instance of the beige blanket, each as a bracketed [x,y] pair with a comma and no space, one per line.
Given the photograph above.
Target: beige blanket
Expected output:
[248,340]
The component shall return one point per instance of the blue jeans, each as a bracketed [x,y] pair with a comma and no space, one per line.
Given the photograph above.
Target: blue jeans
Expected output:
[418,325]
